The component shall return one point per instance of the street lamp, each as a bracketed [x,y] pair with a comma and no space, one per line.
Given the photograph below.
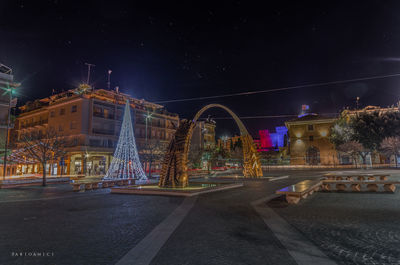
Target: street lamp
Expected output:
[9,90]
[147,116]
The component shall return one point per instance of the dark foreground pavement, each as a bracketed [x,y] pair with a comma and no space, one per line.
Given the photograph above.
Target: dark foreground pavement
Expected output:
[221,228]
[84,228]
[351,228]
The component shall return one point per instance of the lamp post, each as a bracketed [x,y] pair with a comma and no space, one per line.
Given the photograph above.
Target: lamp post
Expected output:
[147,117]
[9,90]
[87,170]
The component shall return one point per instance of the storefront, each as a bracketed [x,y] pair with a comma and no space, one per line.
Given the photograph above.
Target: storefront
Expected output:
[89,164]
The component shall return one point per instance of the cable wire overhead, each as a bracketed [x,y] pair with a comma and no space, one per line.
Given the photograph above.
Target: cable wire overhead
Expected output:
[281,89]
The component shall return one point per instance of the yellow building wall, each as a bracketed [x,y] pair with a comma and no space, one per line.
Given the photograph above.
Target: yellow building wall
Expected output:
[300,142]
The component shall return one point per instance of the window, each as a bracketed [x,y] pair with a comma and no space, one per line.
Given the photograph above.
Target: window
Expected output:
[311,127]
[60,128]
[311,138]
[62,111]
[74,108]
[52,114]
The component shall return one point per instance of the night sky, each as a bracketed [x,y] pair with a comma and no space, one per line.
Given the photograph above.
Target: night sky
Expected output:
[183,50]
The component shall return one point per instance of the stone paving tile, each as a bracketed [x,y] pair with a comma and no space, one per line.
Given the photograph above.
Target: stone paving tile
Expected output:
[80,229]
[36,192]
[351,228]
[224,229]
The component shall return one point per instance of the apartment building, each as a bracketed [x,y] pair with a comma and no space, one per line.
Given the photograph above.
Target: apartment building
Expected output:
[6,103]
[92,118]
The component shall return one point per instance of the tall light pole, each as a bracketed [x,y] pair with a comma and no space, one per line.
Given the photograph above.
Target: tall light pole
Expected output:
[357,99]
[9,90]
[148,117]
[109,79]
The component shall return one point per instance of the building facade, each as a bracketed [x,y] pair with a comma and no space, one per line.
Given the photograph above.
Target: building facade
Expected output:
[309,140]
[92,118]
[271,141]
[203,136]
[6,102]
[228,143]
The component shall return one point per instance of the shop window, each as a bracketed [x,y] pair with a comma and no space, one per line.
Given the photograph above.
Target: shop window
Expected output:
[78,167]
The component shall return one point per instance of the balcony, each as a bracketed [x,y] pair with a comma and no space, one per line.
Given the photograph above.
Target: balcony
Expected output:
[103,131]
[102,115]
[32,124]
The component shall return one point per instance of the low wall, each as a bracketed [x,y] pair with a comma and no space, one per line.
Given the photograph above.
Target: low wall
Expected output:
[295,167]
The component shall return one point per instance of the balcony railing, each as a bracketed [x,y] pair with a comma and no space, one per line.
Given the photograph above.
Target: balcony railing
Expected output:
[103,131]
[102,115]
[32,124]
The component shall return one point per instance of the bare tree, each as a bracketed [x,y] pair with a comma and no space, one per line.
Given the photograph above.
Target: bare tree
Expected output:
[352,149]
[42,147]
[391,146]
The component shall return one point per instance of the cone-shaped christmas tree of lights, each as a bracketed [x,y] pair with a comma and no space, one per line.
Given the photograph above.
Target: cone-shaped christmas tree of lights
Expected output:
[125,163]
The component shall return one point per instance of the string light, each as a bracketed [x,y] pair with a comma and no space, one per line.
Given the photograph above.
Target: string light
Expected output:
[125,163]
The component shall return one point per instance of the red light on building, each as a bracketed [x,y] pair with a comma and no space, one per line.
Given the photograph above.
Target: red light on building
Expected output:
[265,139]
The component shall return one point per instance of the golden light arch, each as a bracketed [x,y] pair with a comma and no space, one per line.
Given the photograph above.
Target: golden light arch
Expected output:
[174,167]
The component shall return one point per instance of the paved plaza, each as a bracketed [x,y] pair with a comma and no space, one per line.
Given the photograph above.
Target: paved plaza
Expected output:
[96,227]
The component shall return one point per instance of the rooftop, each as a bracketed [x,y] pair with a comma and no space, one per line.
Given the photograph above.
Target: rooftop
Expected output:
[5,69]
[313,117]
[85,91]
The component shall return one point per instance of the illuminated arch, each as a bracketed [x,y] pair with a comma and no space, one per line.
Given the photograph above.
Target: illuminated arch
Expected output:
[174,167]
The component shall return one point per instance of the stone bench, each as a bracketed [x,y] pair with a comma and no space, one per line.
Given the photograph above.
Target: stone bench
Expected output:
[371,184]
[300,190]
[92,185]
[95,185]
[88,186]
[76,186]
[104,184]
[120,182]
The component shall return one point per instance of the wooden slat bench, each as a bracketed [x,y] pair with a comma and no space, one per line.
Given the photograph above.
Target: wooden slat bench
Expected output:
[300,190]
[372,184]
